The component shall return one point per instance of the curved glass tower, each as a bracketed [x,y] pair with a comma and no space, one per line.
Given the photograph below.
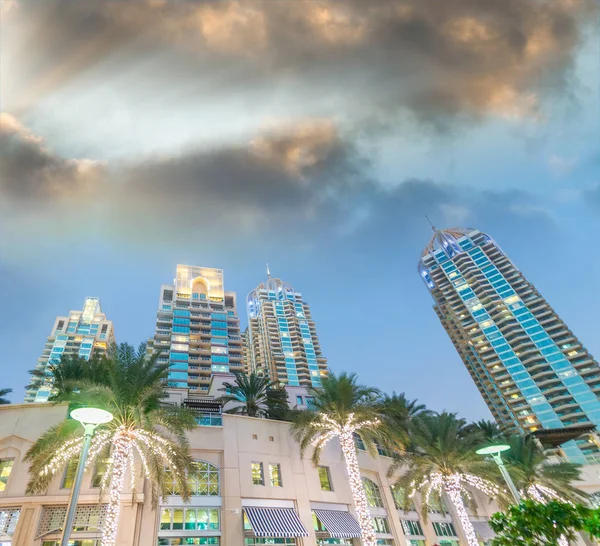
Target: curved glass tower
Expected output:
[531,370]
[281,340]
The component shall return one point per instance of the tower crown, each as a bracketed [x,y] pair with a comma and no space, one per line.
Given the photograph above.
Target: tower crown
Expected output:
[446,240]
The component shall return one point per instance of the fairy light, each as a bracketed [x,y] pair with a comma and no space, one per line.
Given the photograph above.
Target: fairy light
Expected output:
[454,485]
[345,432]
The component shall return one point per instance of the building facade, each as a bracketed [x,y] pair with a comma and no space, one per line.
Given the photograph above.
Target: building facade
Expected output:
[531,370]
[254,487]
[83,333]
[197,328]
[281,340]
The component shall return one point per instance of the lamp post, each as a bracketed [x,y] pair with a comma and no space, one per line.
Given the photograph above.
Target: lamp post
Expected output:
[90,418]
[496,453]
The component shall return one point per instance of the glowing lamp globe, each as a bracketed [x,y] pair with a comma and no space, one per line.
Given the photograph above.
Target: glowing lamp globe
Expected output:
[492,450]
[92,416]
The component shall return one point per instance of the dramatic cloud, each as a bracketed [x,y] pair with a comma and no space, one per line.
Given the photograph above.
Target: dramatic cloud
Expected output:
[29,171]
[431,58]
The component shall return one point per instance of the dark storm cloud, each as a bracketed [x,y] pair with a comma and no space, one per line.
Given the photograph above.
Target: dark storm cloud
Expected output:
[457,57]
[29,171]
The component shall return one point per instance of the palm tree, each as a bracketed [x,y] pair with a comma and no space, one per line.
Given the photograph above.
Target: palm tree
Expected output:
[144,436]
[256,396]
[536,477]
[3,393]
[488,430]
[402,411]
[441,460]
[342,408]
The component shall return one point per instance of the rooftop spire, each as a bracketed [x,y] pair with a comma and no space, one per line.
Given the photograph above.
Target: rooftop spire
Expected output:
[268,271]
[430,223]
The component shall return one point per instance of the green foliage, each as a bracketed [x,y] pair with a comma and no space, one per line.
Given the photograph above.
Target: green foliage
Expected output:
[441,444]
[533,523]
[255,396]
[3,393]
[339,397]
[131,385]
[528,467]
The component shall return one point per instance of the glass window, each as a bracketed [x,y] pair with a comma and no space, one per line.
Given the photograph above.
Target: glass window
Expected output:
[257,474]
[411,527]
[69,475]
[324,478]
[204,481]
[254,541]
[5,470]
[372,492]
[444,529]
[190,519]
[99,471]
[299,400]
[358,442]
[275,475]
[179,541]
[381,525]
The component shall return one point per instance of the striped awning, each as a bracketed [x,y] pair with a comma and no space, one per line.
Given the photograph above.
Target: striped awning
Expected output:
[339,524]
[275,522]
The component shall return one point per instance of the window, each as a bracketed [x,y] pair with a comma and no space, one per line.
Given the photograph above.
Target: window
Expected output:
[81,542]
[358,442]
[5,470]
[8,521]
[189,519]
[258,477]
[325,478]
[436,505]
[99,471]
[299,400]
[275,475]
[444,529]
[204,481]
[209,419]
[69,476]
[411,527]
[381,525]
[373,493]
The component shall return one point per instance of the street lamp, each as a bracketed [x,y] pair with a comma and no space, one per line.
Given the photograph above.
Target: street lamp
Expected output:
[496,453]
[90,418]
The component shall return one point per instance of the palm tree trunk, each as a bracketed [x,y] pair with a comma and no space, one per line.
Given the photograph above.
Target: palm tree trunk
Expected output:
[453,489]
[120,457]
[358,491]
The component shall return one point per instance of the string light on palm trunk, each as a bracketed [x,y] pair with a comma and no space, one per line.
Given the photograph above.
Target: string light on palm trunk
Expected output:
[345,432]
[455,487]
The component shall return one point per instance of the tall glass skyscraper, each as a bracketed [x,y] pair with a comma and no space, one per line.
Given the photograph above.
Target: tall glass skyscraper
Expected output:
[281,339]
[82,333]
[197,328]
[530,368]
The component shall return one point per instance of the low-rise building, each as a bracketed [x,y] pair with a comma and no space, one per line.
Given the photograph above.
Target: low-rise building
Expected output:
[254,487]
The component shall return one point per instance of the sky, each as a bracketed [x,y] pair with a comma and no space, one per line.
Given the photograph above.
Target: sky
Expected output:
[312,135]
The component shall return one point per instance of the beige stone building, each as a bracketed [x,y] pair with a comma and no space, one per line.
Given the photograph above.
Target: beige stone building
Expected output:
[255,488]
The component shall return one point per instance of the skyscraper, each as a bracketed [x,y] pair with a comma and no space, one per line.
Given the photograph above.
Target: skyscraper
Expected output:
[281,339]
[197,328]
[82,333]
[529,367]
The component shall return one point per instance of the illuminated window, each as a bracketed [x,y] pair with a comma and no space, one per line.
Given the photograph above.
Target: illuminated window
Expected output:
[190,519]
[275,475]
[258,477]
[324,478]
[401,499]
[381,525]
[5,470]
[203,482]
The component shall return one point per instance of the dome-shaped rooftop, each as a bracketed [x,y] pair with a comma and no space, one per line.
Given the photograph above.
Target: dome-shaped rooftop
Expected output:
[446,240]
[273,284]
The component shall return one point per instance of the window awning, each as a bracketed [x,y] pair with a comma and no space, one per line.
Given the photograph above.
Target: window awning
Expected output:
[483,530]
[275,522]
[339,524]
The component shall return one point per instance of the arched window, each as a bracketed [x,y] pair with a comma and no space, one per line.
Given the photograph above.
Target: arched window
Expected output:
[204,482]
[372,492]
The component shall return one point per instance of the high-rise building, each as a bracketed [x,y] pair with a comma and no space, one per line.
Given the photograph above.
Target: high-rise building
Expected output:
[82,333]
[281,340]
[197,328]
[532,371]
